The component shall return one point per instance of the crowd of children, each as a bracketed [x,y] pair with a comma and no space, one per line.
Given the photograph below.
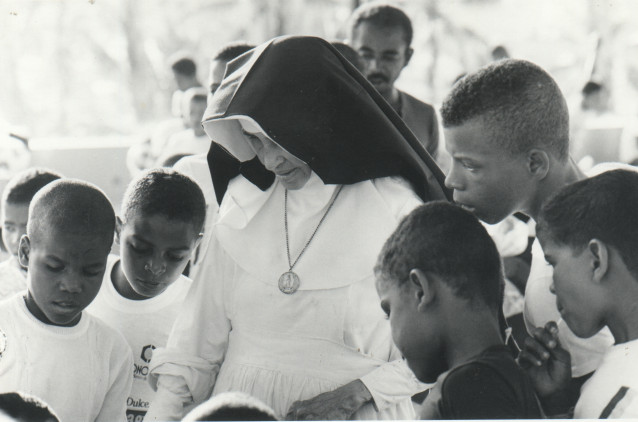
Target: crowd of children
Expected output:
[80,318]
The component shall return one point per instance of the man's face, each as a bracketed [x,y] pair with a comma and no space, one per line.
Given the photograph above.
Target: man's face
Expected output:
[487,181]
[384,53]
[577,295]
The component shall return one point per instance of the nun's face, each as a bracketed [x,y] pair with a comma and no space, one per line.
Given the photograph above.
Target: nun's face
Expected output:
[290,170]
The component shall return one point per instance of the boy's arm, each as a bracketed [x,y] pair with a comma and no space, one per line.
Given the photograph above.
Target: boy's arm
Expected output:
[549,367]
[114,404]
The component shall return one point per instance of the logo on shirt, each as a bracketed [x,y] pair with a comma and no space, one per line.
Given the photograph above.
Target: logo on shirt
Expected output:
[3,343]
[147,353]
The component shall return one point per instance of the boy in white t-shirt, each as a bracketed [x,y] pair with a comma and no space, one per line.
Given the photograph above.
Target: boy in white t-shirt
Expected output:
[49,348]
[160,226]
[14,215]
[589,233]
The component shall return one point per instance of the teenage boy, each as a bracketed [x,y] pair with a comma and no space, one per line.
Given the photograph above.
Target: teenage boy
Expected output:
[158,229]
[507,131]
[49,347]
[382,34]
[440,281]
[589,235]
[14,215]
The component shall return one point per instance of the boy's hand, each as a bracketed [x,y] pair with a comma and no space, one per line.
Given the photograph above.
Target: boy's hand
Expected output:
[547,364]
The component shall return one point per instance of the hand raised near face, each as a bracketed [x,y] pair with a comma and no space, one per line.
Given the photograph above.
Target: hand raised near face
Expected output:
[547,364]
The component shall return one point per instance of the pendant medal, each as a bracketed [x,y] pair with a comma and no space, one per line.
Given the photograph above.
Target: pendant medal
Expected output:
[288,282]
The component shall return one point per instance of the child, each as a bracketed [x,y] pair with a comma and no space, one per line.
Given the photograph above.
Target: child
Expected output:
[48,347]
[162,216]
[14,215]
[589,234]
[440,281]
[22,407]
[231,406]
[507,130]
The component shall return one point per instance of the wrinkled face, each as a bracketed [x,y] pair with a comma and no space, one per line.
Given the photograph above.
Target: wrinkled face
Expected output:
[413,336]
[14,224]
[384,53]
[65,274]
[487,181]
[154,251]
[576,294]
[290,170]
[215,76]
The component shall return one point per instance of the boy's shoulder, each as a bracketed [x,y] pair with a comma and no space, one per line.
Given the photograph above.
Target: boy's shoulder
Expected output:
[490,386]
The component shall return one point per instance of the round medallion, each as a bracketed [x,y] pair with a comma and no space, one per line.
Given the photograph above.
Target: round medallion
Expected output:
[288,282]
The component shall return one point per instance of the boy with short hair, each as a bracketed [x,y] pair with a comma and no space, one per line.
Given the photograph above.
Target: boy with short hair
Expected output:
[14,215]
[23,407]
[589,234]
[49,347]
[440,281]
[159,227]
[507,130]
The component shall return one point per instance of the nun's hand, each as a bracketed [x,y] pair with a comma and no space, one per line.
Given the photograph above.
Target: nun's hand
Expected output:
[339,404]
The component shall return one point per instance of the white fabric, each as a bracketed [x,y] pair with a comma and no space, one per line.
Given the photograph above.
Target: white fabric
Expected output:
[145,324]
[619,368]
[196,167]
[83,372]
[282,348]
[184,142]
[12,278]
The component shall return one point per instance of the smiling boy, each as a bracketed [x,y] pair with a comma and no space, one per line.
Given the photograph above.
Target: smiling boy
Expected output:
[50,348]
[159,227]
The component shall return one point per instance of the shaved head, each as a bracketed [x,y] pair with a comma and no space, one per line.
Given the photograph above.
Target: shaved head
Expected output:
[73,207]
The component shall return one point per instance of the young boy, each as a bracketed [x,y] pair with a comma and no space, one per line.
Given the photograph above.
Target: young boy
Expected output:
[589,234]
[20,407]
[440,281]
[507,130]
[16,198]
[162,216]
[49,348]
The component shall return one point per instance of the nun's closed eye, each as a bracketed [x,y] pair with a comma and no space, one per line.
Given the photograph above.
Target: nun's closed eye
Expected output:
[255,142]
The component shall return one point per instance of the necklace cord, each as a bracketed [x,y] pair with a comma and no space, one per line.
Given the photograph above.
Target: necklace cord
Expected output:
[313,233]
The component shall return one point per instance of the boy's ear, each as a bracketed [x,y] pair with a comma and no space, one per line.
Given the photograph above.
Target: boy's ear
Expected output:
[538,163]
[408,55]
[599,259]
[200,236]
[423,287]
[24,250]
[118,229]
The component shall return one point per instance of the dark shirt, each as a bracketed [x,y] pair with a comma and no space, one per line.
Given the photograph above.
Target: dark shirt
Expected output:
[489,386]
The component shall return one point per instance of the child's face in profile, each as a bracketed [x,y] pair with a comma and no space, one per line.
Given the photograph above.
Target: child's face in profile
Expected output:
[577,295]
[487,181]
[154,251]
[14,225]
[412,335]
[65,273]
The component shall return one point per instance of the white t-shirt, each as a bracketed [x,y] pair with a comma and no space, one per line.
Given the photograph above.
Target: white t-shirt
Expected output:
[82,372]
[184,142]
[12,278]
[145,324]
[196,167]
[612,392]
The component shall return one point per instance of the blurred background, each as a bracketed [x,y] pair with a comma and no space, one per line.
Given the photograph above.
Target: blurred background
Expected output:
[94,75]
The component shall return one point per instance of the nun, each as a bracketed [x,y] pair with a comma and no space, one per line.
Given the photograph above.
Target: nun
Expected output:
[313,170]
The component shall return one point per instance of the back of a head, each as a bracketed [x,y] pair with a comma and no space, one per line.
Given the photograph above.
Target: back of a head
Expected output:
[74,207]
[231,51]
[22,407]
[184,66]
[444,239]
[381,15]
[349,53]
[168,193]
[602,207]
[231,406]
[23,186]
[519,102]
